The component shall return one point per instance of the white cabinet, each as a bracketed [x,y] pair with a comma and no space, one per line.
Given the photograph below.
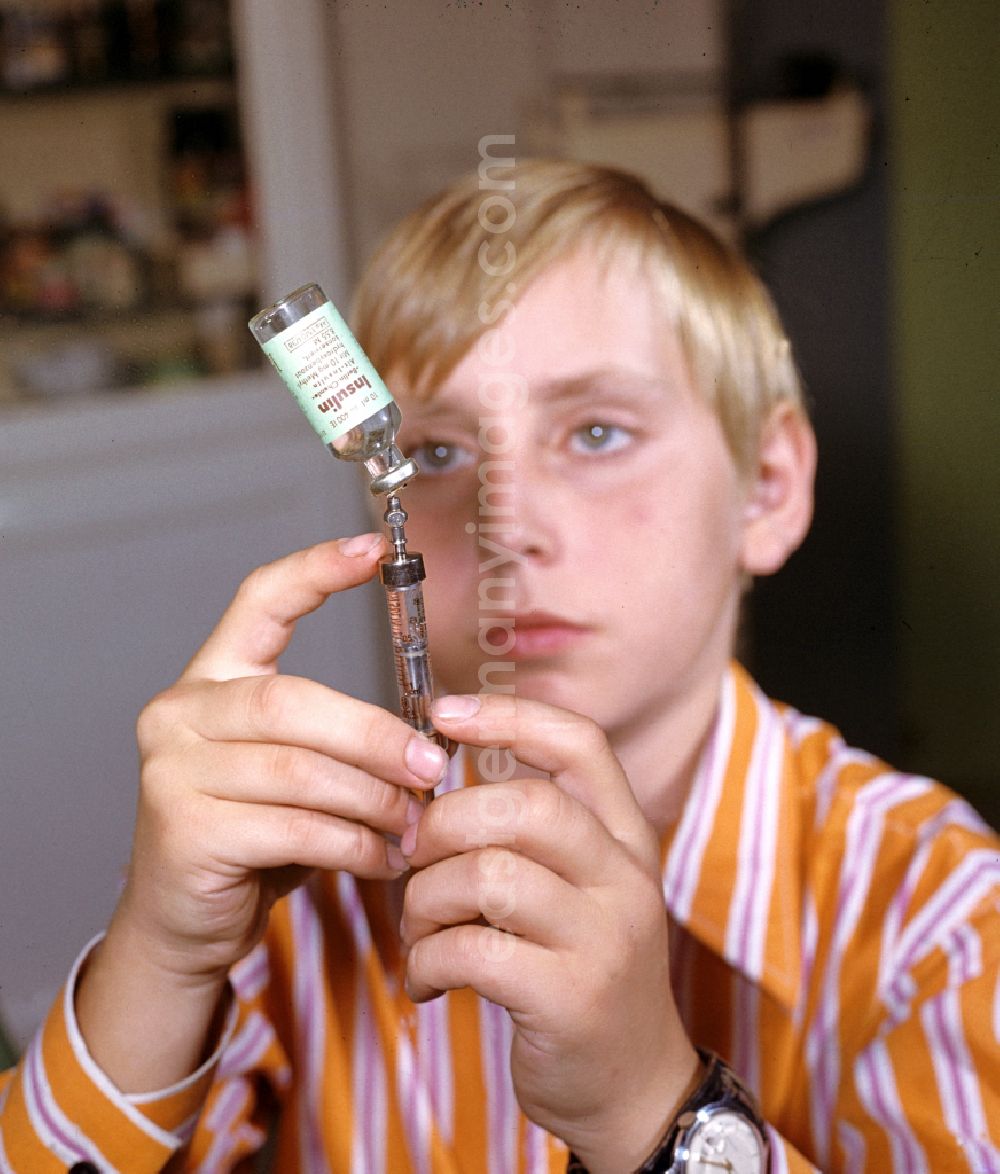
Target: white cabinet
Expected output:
[124,530]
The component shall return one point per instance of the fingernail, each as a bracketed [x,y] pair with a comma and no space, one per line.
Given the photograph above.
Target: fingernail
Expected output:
[427,760]
[414,811]
[456,707]
[360,544]
[395,858]
[408,840]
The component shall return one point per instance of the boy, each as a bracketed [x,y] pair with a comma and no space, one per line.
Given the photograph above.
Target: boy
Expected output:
[665,868]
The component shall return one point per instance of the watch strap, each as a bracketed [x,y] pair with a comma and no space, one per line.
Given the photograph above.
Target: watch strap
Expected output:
[720,1085]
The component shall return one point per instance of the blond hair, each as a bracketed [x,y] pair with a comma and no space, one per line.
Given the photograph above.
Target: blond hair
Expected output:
[449,270]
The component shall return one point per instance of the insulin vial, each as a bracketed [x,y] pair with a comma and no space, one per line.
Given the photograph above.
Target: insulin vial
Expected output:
[336,386]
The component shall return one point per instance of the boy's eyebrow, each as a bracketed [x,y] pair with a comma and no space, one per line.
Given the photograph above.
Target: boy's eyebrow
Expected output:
[434,411]
[598,381]
[601,381]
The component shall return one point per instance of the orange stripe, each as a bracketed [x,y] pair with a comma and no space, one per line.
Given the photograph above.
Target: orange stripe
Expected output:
[947,849]
[823,856]
[796,1163]
[390,1026]
[24,1150]
[977,1005]
[558,1154]
[713,895]
[916,1082]
[782,934]
[339,995]
[780,1076]
[471,1137]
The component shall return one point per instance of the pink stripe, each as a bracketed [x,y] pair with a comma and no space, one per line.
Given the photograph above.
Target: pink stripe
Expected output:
[351,901]
[416,1093]
[754,893]
[247,1047]
[996,1010]
[946,1045]
[683,864]
[800,726]
[432,1021]
[852,1145]
[501,1093]
[959,894]
[36,1082]
[367,1046]
[536,1150]
[249,976]
[432,1025]
[410,1087]
[902,1143]
[809,939]
[966,961]
[865,826]
[975,1126]
[311,1035]
[5,1166]
[779,1159]
[841,757]
[226,1112]
[954,814]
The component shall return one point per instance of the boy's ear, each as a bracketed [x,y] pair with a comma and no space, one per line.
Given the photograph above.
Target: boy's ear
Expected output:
[779,503]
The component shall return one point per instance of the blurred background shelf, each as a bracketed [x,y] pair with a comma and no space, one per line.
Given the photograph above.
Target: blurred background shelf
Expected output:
[147,460]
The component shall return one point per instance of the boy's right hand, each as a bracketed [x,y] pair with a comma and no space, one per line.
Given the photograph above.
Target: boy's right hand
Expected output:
[249,780]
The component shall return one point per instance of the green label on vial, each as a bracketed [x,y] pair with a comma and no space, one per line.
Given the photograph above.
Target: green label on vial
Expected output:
[329,374]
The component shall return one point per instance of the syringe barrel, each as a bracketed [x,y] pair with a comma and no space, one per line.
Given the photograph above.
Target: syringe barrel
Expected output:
[409,647]
[408,625]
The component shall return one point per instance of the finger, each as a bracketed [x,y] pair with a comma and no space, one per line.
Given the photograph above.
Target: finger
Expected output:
[291,776]
[254,837]
[571,748]
[257,626]
[531,817]
[509,971]
[294,711]
[505,889]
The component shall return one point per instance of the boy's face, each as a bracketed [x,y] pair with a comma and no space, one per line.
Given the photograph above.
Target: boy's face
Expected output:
[578,510]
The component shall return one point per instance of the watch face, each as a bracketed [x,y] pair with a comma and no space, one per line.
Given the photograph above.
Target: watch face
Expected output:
[723,1141]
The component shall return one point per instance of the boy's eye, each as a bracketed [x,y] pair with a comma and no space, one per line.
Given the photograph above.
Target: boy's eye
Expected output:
[438,456]
[602,438]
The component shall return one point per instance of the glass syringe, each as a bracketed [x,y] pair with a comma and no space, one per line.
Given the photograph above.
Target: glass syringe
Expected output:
[350,407]
[401,577]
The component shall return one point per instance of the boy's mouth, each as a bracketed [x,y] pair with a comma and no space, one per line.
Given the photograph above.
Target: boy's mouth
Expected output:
[538,634]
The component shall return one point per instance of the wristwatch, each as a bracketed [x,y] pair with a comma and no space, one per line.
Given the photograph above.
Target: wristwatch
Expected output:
[718,1129]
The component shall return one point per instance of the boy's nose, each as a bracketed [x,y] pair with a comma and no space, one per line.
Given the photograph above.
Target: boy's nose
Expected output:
[537,512]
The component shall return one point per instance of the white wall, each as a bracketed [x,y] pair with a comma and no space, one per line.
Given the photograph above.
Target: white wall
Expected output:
[419,84]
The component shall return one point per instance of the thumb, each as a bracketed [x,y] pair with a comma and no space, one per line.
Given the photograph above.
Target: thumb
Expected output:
[257,626]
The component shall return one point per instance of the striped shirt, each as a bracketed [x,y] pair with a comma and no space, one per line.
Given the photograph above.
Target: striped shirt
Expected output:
[835,935]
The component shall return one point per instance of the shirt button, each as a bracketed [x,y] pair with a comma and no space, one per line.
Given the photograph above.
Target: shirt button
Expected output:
[83,1168]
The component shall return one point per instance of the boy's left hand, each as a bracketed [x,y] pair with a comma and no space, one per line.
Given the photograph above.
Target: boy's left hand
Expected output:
[545,897]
